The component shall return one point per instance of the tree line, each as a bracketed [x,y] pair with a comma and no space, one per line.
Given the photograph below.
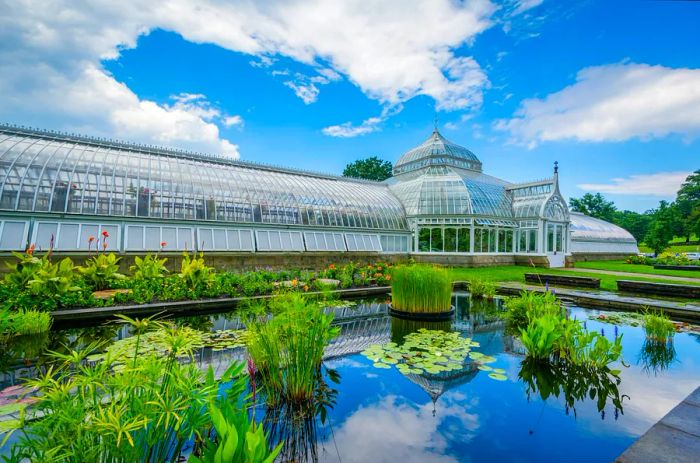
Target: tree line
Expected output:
[655,227]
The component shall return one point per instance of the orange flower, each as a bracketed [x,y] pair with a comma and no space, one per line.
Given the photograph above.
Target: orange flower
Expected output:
[30,249]
[379,269]
[91,239]
[331,267]
[104,245]
[295,282]
[306,287]
[388,277]
[105,234]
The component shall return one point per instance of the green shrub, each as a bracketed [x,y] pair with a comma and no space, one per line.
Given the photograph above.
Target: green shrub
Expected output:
[482,289]
[658,327]
[196,275]
[288,349]
[528,306]
[542,336]
[23,322]
[150,267]
[101,271]
[421,289]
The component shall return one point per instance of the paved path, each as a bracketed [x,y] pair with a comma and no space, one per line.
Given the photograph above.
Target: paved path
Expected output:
[631,274]
[676,438]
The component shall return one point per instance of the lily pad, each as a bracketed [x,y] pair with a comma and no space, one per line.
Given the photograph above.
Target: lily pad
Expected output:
[484,368]
[498,376]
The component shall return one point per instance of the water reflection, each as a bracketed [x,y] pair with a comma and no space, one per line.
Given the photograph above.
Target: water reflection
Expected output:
[573,383]
[656,357]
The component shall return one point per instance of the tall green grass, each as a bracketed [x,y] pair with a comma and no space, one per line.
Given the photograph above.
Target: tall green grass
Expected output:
[24,322]
[421,289]
[288,349]
[658,327]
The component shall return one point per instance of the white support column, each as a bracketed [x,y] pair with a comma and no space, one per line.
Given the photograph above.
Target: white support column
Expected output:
[471,238]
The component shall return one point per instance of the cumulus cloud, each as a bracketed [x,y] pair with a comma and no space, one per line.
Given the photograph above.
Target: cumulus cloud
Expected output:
[233,121]
[614,102]
[658,184]
[51,54]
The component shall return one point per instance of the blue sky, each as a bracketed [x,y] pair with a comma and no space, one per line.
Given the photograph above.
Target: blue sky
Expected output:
[611,90]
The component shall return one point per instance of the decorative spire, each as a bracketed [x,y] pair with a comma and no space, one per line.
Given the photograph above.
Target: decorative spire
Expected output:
[435,122]
[556,167]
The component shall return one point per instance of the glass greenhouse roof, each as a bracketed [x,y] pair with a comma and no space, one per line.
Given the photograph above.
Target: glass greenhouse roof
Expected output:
[49,172]
[442,190]
[587,228]
[437,150]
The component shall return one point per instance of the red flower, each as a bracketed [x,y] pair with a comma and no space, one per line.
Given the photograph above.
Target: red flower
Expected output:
[163,244]
[30,249]
[105,234]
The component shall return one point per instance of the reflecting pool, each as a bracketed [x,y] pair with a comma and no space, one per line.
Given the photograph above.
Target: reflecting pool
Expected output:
[538,413]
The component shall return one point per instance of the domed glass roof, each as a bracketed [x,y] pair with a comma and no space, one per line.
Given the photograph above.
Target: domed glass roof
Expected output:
[437,150]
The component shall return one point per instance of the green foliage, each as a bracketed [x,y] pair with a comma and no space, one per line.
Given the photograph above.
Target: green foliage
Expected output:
[421,289]
[542,336]
[145,410]
[101,271]
[528,306]
[595,206]
[24,271]
[658,327]
[196,275]
[288,349]
[24,322]
[663,228]
[482,289]
[150,267]
[371,168]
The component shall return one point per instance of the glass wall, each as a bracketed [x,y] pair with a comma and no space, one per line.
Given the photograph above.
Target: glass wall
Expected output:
[443,239]
[556,239]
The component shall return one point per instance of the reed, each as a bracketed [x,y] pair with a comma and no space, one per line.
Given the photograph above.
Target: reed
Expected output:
[482,289]
[421,289]
[288,349]
[658,327]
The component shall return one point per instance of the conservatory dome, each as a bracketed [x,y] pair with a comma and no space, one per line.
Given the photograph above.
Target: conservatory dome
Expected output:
[437,150]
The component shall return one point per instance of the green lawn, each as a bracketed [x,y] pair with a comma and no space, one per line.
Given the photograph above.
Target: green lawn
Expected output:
[621,266]
[516,273]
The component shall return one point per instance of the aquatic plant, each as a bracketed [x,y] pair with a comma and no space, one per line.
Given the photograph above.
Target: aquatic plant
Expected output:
[24,322]
[101,271]
[542,336]
[421,289]
[482,289]
[288,349]
[658,327]
[431,352]
[528,306]
[145,410]
[195,273]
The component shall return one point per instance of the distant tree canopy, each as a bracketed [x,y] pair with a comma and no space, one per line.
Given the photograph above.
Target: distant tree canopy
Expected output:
[655,227]
[371,168]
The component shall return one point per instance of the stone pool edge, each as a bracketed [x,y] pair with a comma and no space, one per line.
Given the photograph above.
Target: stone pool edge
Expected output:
[674,438]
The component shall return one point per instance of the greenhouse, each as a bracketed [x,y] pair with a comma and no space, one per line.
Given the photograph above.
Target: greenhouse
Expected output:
[58,190]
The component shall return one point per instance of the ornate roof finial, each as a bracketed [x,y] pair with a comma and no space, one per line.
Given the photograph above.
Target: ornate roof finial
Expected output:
[556,167]
[435,121]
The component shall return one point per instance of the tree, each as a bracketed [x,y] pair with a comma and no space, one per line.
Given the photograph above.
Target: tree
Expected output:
[634,222]
[661,229]
[371,168]
[688,204]
[595,206]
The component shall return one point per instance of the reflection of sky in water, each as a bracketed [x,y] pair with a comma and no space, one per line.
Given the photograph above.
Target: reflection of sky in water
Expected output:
[382,416]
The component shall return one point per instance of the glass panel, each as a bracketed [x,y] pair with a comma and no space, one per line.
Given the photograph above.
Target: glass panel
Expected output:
[68,236]
[424,239]
[450,239]
[550,237]
[436,244]
[13,236]
[45,234]
[87,231]
[532,241]
[134,237]
[168,235]
[463,240]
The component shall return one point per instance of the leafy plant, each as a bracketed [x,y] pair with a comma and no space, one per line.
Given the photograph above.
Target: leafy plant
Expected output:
[288,349]
[196,275]
[482,289]
[24,322]
[421,289]
[150,267]
[529,305]
[658,327]
[101,271]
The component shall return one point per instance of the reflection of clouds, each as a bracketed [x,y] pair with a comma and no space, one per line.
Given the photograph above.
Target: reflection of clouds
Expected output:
[395,431]
[344,362]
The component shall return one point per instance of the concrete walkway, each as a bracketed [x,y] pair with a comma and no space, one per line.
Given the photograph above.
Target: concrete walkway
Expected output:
[675,438]
[631,274]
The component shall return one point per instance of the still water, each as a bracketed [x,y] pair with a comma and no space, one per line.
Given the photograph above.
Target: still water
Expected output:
[381,415]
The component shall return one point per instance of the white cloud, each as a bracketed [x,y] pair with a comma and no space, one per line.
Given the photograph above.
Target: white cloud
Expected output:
[51,53]
[658,184]
[348,130]
[522,6]
[613,103]
[233,121]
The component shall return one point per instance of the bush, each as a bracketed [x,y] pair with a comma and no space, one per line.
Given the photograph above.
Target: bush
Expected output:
[101,271]
[150,267]
[24,322]
[421,289]
[196,275]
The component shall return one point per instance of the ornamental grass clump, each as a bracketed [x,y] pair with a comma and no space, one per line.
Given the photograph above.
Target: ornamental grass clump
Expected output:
[658,327]
[421,289]
[482,289]
[288,349]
